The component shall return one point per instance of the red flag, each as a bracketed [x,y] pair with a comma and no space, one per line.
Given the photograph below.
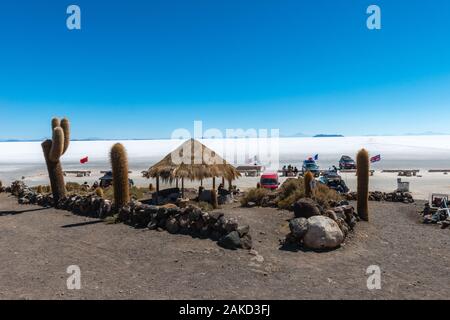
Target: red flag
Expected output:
[84,160]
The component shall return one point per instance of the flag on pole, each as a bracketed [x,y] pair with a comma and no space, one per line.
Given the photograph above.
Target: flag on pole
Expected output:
[84,160]
[316,157]
[375,158]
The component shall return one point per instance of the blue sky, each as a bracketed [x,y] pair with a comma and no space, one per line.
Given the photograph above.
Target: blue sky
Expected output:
[141,69]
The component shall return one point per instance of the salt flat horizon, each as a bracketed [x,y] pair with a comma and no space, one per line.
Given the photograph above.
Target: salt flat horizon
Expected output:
[25,159]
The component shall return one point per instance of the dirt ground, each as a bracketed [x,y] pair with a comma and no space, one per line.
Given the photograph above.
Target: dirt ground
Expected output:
[118,262]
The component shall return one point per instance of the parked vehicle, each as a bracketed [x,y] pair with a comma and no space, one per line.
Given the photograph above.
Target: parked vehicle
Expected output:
[347,163]
[107,180]
[311,165]
[334,181]
[269,180]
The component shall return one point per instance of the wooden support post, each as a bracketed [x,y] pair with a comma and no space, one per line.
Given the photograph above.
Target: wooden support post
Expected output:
[223,182]
[230,185]
[214,183]
[157,190]
[182,188]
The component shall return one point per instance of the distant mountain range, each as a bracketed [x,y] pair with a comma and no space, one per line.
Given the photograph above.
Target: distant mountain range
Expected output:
[320,135]
[296,135]
[328,136]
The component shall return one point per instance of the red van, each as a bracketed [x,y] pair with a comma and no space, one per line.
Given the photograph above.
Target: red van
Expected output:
[269,180]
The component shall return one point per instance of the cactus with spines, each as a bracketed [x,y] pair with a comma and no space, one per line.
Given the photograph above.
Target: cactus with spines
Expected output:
[53,150]
[119,164]
[362,172]
[308,181]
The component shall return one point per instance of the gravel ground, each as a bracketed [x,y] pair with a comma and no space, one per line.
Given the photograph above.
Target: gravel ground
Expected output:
[118,262]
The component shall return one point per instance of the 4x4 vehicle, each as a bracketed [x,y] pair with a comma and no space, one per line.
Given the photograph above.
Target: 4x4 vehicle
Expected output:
[334,181]
[347,162]
[310,165]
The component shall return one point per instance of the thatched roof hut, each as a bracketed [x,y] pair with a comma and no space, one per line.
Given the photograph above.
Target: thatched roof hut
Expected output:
[194,161]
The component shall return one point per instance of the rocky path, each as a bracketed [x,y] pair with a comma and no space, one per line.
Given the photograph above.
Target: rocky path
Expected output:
[118,262]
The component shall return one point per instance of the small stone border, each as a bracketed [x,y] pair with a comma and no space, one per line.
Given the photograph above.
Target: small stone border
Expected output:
[404,197]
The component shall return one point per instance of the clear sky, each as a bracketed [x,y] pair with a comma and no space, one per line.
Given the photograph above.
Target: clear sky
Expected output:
[141,69]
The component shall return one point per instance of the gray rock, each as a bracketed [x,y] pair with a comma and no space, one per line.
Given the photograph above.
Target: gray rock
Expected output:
[151,210]
[214,216]
[153,225]
[230,241]
[162,213]
[195,214]
[172,226]
[243,230]
[231,225]
[298,227]
[331,214]
[246,242]
[124,214]
[323,233]
[306,208]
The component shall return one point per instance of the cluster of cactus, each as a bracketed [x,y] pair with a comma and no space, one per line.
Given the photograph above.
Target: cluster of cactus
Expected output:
[53,150]
[119,164]
[308,182]
[362,172]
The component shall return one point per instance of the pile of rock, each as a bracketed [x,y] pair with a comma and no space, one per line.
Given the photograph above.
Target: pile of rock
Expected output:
[405,197]
[270,200]
[190,220]
[89,205]
[318,229]
[441,217]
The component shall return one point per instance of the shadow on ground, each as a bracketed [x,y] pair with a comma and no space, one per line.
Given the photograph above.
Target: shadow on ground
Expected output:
[12,213]
[81,224]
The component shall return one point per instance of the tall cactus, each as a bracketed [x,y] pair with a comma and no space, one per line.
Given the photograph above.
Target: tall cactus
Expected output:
[362,171]
[308,181]
[53,150]
[119,163]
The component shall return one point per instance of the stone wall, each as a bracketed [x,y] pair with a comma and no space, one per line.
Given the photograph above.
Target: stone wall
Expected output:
[190,220]
[404,197]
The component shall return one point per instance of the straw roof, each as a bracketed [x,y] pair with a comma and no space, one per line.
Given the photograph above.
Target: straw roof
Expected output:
[192,160]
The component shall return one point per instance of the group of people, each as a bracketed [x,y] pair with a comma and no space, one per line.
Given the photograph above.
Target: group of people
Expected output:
[289,171]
